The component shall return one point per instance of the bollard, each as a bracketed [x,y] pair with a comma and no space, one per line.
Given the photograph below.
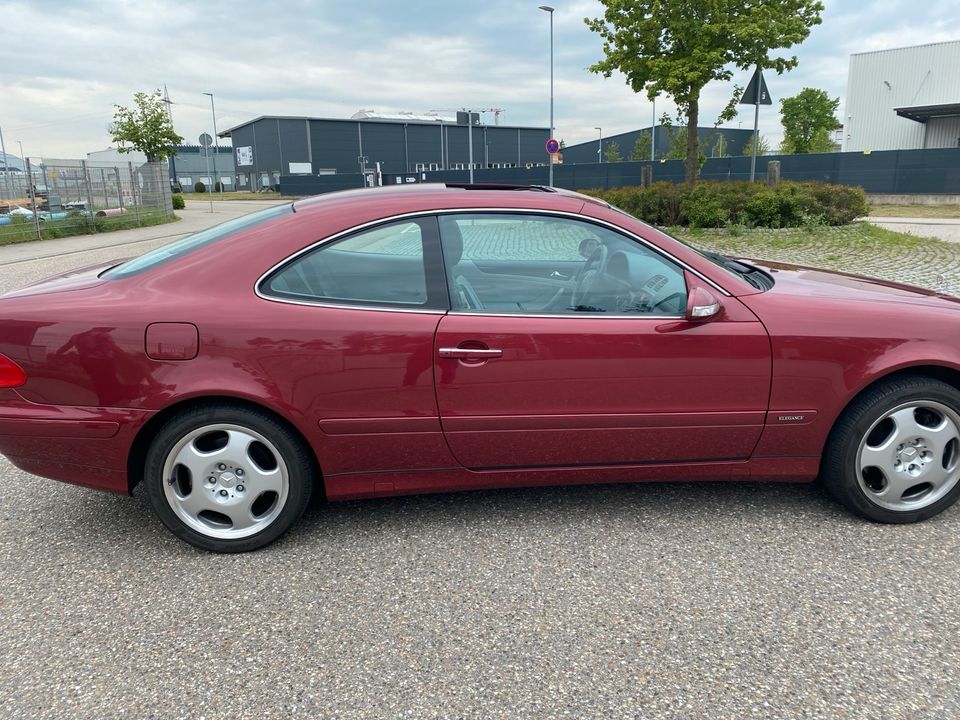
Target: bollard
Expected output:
[773,173]
[646,176]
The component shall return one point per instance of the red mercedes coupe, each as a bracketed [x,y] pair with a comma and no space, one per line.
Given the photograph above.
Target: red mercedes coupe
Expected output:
[451,337]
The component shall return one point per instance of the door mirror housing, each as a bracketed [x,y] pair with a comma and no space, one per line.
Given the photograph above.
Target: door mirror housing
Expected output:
[701,305]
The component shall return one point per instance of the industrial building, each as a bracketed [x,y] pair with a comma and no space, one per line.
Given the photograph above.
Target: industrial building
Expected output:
[270,146]
[714,142]
[192,163]
[904,99]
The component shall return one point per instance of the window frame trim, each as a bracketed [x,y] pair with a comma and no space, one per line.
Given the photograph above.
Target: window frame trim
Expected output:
[443,274]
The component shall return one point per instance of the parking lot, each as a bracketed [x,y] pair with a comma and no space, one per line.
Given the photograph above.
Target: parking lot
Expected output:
[645,601]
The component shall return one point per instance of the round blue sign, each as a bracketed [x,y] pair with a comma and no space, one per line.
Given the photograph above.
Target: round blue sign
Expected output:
[553,147]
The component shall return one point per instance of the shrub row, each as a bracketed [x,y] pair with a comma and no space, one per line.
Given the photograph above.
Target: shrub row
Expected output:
[714,204]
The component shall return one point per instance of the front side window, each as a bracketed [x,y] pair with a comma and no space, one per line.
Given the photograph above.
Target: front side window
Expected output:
[380,266]
[539,264]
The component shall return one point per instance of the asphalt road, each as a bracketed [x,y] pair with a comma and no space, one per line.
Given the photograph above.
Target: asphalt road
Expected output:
[644,601]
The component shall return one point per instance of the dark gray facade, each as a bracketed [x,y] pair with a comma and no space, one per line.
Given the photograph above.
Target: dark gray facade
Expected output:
[586,152]
[268,147]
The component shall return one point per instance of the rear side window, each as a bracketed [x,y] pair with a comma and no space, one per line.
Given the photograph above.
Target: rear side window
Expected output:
[381,266]
[186,245]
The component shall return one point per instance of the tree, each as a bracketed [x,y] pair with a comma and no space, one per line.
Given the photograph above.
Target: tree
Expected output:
[146,127]
[677,137]
[612,153]
[676,47]
[720,147]
[808,118]
[763,147]
[641,148]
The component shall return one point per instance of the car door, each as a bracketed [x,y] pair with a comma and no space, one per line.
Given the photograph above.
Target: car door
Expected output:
[566,345]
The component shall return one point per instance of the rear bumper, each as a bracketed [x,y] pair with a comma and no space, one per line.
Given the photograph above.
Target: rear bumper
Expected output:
[82,445]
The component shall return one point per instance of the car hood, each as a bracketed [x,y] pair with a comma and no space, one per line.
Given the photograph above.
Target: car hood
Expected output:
[812,282]
[78,279]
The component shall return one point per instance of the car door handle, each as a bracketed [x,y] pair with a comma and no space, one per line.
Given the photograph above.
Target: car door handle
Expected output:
[470,353]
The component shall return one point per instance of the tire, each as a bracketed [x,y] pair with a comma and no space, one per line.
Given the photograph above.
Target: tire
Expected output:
[228,479]
[894,454]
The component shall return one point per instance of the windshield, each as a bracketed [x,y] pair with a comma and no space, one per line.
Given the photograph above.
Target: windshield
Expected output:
[186,245]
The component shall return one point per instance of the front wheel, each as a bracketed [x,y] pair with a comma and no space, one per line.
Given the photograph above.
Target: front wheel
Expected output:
[228,479]
[894,455]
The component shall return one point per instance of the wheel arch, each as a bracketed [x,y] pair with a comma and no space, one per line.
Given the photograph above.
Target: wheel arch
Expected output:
[943,373]
[141,442]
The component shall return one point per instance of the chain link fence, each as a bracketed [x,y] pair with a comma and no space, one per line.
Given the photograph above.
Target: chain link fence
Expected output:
[72,197]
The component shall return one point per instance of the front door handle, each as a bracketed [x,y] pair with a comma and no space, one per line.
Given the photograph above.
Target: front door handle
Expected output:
[470,353]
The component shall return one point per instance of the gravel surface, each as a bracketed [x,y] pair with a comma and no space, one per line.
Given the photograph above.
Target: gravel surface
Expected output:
[648,601]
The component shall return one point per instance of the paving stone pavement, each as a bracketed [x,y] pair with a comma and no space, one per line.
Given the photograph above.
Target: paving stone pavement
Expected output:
[925,262]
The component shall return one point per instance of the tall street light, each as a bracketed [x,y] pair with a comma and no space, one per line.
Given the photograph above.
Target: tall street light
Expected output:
[600,146]
[548,9]
[216,145]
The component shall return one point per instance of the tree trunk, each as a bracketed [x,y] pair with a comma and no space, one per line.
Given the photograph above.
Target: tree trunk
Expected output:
[692,163]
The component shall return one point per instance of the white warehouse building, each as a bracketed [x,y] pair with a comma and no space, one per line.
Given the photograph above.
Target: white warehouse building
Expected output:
[904,99]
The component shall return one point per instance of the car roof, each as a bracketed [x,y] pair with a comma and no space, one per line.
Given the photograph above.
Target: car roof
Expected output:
[424,196]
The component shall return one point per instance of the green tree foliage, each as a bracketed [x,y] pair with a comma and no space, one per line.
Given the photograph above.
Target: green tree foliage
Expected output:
[720,147]
[641,148]
[677,137]
[145,127]
[763,147]
[612,153]
[676,47]
[808,118]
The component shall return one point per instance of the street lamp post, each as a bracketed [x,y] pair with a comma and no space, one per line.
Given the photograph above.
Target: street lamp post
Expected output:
[548,9]
[600,145]
[216,145]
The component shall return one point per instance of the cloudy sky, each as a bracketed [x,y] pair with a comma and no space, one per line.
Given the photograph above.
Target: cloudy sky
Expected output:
[64,64]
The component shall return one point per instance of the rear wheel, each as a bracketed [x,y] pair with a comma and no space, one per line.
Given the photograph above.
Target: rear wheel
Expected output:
[228,479]
[894,455]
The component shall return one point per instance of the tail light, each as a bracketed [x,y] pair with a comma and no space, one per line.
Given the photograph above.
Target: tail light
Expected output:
[11,374]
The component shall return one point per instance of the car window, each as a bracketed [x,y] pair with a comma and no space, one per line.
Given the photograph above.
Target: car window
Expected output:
[541,264]
[181,247]
[380,266]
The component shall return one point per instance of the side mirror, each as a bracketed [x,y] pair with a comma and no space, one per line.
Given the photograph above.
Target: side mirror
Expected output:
[701,304]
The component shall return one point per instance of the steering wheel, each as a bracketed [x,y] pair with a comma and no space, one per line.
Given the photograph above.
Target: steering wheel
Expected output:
[469,300]
[589,275]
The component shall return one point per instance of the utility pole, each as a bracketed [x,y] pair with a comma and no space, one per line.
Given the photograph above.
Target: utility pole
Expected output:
[173,156]
[548,9]
[216,145]
[653,131]
[6,167]
[600,146]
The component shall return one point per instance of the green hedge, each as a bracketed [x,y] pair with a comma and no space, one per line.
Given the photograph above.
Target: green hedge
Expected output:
[714,204]
[178,202]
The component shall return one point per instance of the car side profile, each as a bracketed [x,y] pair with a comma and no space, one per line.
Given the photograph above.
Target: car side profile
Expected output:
[454,337]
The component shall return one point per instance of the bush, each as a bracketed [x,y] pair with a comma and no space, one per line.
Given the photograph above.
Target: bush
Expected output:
[704,207]
[710,204]
[218,186]
[199,187]
[178,202]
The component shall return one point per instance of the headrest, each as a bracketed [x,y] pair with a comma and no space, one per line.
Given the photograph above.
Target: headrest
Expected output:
[452,240]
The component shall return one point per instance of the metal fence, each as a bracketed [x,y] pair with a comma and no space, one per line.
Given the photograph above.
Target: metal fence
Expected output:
[70,197]
[929,171]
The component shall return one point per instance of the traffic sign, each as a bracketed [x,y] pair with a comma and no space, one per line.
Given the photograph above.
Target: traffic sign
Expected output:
[756,92]
[553,147]
[205,140]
